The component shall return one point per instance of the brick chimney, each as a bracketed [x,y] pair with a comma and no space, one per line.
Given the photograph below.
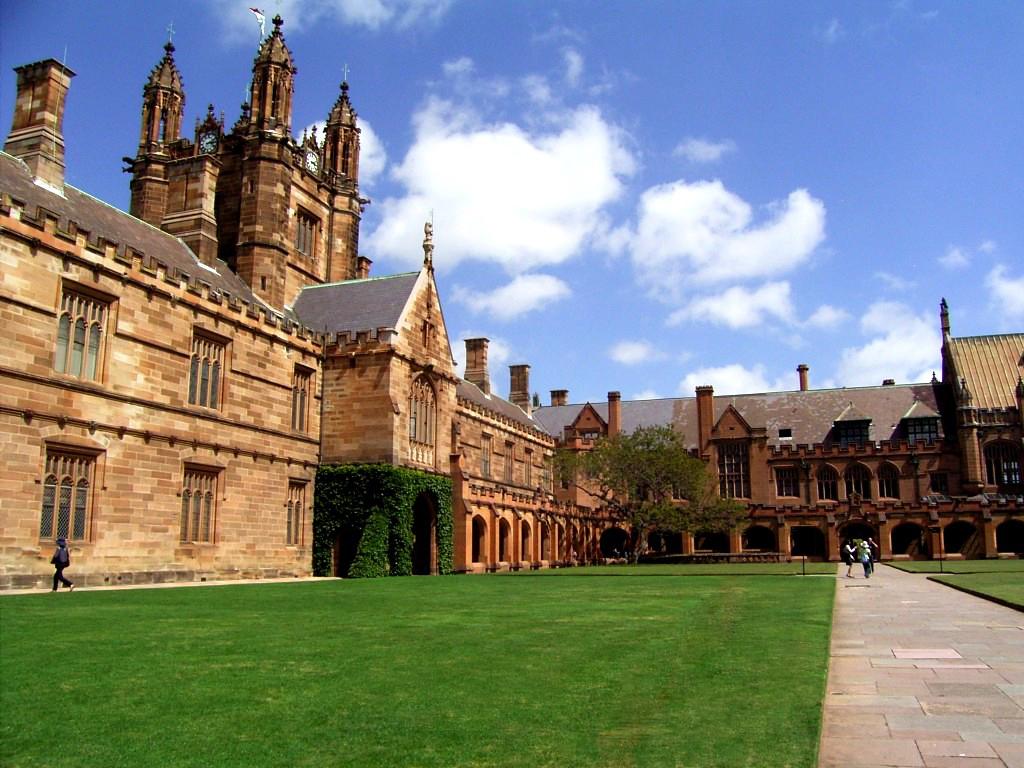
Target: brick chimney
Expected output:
[614,413]
[363,268]
[705,416]
[802,370]
[559,397]
[36,133]
[476,364]
[519,387]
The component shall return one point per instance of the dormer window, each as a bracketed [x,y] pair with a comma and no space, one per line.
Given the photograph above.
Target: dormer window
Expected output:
[852,433]
[926,430]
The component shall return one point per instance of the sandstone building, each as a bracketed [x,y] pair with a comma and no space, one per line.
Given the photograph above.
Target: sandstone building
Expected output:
[176,376]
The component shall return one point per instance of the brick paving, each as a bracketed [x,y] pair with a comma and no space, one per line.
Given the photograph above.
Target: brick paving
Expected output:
[922,675]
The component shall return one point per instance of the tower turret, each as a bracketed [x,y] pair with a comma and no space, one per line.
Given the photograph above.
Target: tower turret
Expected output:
[273,77]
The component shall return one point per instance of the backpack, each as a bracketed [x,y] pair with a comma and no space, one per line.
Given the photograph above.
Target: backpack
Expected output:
[61,557]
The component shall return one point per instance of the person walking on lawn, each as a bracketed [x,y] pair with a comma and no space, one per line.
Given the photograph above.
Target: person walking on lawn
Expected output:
[61,559]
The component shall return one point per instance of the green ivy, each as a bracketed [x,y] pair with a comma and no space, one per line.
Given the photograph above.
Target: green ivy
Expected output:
[372,504]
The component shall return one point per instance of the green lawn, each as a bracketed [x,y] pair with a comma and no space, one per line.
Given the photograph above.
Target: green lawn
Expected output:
[634,668]
[960,566]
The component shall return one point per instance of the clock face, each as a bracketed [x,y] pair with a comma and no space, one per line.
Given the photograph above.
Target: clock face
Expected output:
[312,160]
[208,143]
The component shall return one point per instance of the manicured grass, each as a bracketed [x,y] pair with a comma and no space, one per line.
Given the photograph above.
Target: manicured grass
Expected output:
[698,569]
[1007,588]
[960,566]
[574,669]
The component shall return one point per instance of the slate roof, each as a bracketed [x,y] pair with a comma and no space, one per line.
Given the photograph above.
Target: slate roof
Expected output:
[471,392]
[355,305]
[991,365]
[100,220]
[808,414]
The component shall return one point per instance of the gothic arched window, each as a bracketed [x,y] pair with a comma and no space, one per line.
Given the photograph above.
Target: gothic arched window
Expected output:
[1002,466]
[422,421]
[858,481]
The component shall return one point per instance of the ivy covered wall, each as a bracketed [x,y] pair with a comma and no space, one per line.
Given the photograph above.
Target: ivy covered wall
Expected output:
[372,507]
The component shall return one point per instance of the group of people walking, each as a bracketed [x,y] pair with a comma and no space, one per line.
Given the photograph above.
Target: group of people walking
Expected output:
[863,551]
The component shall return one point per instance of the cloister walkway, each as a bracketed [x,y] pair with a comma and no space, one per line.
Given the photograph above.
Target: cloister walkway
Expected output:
[922,675]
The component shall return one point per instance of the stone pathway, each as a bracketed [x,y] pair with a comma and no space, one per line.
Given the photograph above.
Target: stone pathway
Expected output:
[922,675]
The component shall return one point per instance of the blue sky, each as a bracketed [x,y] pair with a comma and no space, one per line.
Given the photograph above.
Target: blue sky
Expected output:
[642,196]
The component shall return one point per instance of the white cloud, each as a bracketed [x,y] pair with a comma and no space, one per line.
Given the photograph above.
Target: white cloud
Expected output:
[954,258]
[523,295]
[647,394]
[904,347]
[501,193]
[537,89]
[703,151]
[827,316]
[988,246]
[894,282]
[702,233]
[304,14]
[731,379]
[499,352]
[635,352]
[460,67]
[1007,293]
[831,32]
[738,307]
[573,66]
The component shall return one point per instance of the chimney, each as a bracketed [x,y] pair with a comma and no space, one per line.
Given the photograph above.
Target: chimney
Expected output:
[519,387]
[888,382]
[802,370]
[705,416]
[614,413]
[476,364]
[362,268]
[36,133]
[559,396]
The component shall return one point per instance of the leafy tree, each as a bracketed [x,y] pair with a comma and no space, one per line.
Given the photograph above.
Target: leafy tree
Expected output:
[647,481]
[536,400]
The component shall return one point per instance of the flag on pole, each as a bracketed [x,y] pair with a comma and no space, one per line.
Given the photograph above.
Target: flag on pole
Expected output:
[261,19]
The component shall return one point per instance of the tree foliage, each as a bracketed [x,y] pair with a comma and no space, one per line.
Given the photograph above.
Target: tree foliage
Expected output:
[647,480]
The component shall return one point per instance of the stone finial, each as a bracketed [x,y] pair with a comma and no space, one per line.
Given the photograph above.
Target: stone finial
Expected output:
[428,244]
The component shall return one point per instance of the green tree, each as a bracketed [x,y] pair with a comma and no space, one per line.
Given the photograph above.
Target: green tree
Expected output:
[648,481]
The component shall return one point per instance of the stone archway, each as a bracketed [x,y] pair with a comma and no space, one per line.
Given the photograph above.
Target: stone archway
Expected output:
[614,542]
[857,529]
[424,535]
[479,540]
[807,541]
[525,543]
[957,538]
[909,539]
[711,541]
[759,538]
[1010,537]
[344,549]
[545,541]
[504,541]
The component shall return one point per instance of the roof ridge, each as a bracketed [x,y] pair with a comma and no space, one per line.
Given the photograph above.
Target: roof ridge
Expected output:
[360,280]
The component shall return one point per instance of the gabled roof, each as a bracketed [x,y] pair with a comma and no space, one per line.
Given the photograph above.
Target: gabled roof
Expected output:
[851,413]
[991,365]
[809,415]
[588,408]
[920,411]
[355,305]
[101,220]
[471,392]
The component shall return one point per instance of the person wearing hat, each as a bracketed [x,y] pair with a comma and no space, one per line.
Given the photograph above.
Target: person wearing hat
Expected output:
[61,559]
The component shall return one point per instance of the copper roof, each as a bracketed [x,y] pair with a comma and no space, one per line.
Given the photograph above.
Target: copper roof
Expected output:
[991,365]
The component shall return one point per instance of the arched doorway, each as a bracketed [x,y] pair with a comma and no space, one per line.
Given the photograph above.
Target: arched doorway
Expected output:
[504,536]
[857,530]
[560,542]
[424,535]
[479,540]
[807,541]
[345,549]
[545,541]
[759,538]
[525,542]
[711,541]
[1010,537]
[958,537]
[909,539]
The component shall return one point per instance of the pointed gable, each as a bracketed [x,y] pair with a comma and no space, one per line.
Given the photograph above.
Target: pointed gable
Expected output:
[588,421]
[731,424]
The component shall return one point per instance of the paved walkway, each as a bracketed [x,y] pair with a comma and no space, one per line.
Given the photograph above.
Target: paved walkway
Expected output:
[922,675]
